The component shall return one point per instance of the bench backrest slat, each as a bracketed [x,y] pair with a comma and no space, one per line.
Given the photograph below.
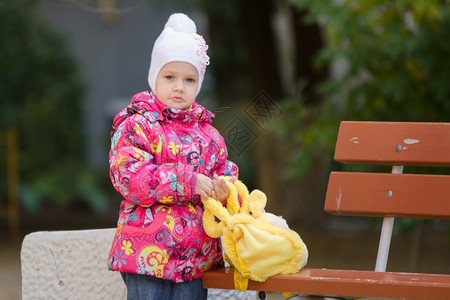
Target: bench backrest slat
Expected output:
[393,143]
[384,194]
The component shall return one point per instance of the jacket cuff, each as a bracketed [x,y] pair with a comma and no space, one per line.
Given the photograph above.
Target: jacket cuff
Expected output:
[193,183]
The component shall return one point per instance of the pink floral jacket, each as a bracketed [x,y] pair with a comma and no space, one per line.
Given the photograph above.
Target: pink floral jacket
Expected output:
[155,154]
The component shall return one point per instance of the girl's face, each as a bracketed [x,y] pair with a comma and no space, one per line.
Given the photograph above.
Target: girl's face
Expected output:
[176,84]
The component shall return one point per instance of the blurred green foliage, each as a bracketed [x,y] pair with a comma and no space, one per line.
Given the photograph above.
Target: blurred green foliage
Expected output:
[42,95]
[391,62]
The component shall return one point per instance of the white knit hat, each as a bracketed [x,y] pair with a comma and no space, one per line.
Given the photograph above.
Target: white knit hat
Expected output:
[179,41]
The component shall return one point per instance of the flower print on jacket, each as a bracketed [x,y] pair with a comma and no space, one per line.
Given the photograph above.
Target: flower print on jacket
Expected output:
[127,247]
[155,155]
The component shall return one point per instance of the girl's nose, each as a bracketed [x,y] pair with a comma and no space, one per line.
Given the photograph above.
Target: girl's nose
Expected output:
[179,86]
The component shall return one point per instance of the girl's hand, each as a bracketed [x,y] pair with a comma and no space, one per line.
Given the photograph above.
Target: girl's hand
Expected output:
[221,190]
[204,186]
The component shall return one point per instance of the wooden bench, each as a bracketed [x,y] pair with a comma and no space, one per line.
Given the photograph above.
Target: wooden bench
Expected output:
[387,195]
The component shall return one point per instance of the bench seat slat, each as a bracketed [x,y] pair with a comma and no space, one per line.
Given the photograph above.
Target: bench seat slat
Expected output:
[376,143]
[343,283]
[367,194]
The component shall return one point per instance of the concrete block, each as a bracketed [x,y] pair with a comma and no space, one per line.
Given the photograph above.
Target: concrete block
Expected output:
[69,265]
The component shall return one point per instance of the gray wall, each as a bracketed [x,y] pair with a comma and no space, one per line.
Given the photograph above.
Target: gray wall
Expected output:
[114,59]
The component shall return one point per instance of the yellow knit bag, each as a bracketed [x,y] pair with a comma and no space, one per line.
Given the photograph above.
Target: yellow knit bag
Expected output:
[257,244]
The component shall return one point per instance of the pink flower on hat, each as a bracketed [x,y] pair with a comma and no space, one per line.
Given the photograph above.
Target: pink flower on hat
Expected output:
[201,52]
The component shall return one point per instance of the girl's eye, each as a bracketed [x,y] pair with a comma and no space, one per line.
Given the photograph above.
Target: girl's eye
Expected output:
[169,77]
[190,80]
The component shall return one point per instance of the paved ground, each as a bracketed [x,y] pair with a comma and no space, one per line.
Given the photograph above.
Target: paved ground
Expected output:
[343,247]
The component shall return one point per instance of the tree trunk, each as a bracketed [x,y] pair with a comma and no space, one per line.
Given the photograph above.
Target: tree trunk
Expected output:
[308,42]
[255,17]
[300,201]
[225,48]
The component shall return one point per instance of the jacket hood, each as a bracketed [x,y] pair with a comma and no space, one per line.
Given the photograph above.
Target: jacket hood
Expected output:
[150,107]
[147,105]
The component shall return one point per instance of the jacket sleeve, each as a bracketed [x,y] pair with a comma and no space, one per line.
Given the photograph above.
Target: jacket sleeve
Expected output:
[228,168]
[136,175]
[224,166]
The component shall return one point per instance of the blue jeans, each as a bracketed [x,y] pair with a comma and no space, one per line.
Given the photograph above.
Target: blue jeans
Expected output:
[140,287]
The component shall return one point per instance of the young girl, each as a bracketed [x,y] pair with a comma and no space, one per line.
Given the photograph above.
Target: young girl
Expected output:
[164,155]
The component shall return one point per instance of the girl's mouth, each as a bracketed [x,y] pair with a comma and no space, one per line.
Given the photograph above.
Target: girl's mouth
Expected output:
[177,99]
